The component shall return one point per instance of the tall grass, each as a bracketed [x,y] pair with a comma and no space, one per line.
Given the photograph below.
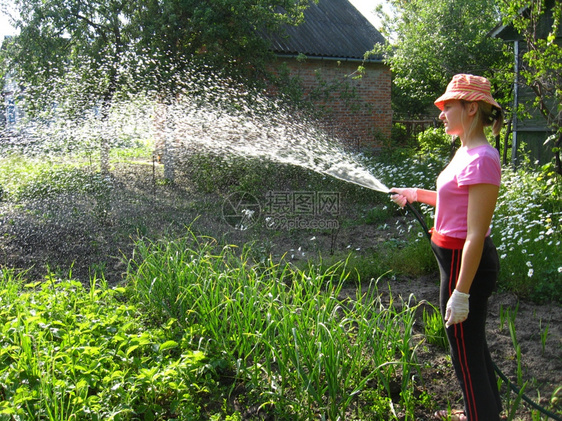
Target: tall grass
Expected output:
[294,336]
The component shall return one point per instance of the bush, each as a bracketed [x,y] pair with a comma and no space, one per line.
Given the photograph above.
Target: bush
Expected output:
[399,135]
[527,233]
[434,142]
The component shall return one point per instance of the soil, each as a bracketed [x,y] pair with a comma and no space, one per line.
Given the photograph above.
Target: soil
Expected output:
[540,366]
[78,235]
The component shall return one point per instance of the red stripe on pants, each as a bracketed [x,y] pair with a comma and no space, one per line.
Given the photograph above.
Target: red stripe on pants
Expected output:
[459,334]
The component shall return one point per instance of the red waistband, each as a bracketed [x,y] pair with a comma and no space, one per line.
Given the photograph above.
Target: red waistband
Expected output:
[446,242]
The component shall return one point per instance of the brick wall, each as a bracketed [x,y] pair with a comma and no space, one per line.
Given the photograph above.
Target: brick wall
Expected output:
[358,110]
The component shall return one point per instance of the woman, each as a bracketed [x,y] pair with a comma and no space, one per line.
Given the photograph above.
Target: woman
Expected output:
[465,200]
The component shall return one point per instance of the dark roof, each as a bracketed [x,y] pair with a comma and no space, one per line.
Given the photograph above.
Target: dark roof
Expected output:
[331,28]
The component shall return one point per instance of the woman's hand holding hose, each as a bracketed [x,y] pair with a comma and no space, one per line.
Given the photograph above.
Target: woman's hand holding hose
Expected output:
[457,306]
[403,196]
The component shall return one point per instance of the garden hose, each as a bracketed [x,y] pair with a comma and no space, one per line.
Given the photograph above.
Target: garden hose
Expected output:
[502,376]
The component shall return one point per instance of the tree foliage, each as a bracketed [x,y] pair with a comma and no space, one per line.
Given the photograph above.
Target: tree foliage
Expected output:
[218,33]
[538,23]
[112,45]
[435,39]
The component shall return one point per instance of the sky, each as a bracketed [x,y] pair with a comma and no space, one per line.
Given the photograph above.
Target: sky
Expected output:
[364,6]
[5,27]
[367,7]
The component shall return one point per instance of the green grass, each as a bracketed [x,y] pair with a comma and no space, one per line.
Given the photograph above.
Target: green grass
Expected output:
[434,330]
[24,178]
[286,334]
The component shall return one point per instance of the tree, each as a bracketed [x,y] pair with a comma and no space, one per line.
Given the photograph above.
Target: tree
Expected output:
[69,53]
[219,33]
[539,24]
[155,38]
[435,39]
[86,53]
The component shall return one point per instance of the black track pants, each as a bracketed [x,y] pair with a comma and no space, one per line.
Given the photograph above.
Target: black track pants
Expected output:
[469,350]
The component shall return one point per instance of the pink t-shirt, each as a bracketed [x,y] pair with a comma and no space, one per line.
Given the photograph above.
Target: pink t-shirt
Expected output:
[479,165]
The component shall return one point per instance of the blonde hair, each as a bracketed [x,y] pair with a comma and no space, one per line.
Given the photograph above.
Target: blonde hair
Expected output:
[490,116]
[487,115]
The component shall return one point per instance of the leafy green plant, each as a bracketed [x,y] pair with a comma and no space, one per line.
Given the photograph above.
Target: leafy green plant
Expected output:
[435,142]
[516,403]
[72,353]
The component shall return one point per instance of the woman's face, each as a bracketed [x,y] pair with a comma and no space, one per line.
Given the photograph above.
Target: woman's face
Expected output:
[452,117]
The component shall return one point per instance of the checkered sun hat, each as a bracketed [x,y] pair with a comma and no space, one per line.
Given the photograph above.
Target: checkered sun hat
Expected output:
[468,88]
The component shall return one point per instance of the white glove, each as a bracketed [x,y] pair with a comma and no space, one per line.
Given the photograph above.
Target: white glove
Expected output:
[457,308]
[403,196]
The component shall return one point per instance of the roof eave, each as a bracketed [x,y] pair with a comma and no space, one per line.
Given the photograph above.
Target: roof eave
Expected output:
[330,58]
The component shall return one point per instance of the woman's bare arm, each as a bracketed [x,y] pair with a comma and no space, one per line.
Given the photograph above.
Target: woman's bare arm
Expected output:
[481,204]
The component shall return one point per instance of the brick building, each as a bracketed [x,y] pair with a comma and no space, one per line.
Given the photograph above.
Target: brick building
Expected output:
[324,53]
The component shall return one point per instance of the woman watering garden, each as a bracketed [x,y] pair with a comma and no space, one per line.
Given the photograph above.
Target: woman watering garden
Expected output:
[465,200]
